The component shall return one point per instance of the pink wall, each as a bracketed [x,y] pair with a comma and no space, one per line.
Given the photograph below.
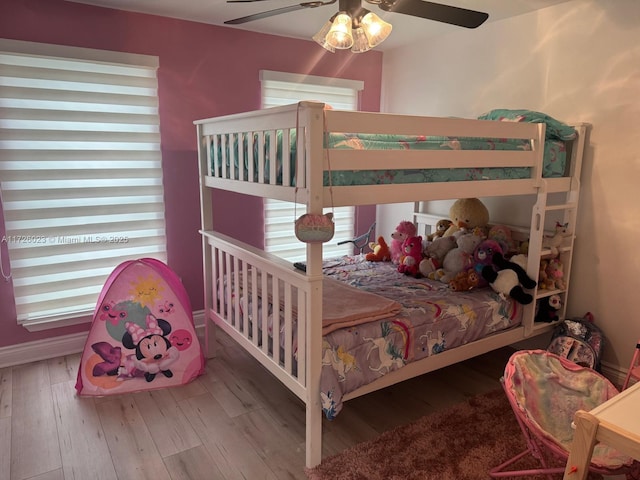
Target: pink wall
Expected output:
[205,71]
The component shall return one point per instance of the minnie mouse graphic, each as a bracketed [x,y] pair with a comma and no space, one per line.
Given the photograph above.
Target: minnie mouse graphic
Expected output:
[154,352]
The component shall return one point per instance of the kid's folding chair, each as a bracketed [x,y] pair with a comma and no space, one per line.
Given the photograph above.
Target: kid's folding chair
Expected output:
[634,367]
[545,390]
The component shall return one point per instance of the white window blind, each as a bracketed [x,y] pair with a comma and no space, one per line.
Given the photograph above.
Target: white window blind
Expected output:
[279,88]
[80,172]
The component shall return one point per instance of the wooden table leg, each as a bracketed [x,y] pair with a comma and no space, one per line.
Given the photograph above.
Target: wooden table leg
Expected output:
[584,439]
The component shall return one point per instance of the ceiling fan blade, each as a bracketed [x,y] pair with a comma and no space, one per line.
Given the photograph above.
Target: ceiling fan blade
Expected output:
[436,11]
[278,11]
[268,13]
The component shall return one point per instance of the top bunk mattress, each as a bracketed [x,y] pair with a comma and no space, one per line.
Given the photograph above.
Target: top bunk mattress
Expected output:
[229,151]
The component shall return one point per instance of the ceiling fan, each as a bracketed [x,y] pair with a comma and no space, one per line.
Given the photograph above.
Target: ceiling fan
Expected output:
[416,8]
[359,29]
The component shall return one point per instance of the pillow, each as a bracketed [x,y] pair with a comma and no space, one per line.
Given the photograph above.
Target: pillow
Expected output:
[555,129]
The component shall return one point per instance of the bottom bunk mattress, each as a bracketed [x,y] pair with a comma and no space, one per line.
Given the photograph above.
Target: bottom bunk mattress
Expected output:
[432,319]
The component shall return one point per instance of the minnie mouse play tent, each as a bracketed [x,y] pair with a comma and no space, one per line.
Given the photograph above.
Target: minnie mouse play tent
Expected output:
[142,335]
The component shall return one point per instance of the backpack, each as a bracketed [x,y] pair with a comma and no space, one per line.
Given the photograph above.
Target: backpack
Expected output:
[142,336]
[578,340]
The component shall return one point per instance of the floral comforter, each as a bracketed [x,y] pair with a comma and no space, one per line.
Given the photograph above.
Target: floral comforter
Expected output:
[433,319]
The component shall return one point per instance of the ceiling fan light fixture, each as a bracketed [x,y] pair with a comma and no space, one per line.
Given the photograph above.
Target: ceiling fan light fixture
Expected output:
[321,37]
[360,40]
[339,35]
[376,29]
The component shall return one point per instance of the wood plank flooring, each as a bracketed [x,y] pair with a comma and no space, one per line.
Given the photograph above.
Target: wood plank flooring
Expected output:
[234,422]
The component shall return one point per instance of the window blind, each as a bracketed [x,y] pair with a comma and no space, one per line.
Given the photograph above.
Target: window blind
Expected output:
[280,88]
[80,172]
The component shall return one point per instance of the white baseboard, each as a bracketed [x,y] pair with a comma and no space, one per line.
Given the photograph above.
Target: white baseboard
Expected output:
[56,347]
[74,343]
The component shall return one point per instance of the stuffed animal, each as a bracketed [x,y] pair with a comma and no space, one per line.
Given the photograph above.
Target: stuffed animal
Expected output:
[548,309]
[502,235]
[555,274]
[404,230]
[544,282]
[554,241]
[467,214]
[434,254]
[380,251]
[441,227]
[457,259]
[412,255]
[508,278]
[464,281]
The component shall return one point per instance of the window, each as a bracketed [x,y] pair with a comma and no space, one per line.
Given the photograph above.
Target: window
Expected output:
[284,89]
[80,172]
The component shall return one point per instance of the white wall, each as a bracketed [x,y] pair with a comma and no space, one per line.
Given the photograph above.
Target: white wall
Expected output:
[579,61]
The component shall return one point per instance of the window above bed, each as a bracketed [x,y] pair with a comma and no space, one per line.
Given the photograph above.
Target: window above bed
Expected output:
[279,88]
[80,171]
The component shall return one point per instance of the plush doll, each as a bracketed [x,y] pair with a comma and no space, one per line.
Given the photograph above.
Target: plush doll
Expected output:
[412,255]
[502,235]
[555,274]
[467,214]
[554,241]
[457,259]
[434,254]
[441,227]
[508,278]
[404,230]
[465,281]
[544,282]
[380,251]
[548,309]
[483,256]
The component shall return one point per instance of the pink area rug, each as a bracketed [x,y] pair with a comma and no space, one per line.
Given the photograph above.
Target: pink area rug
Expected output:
[462,442]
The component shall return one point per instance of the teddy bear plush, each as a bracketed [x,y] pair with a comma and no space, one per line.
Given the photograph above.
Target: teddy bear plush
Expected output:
[507,279]
[412,255]
[404,230]
[380,251]
[544,282]
[434,254]
[464,281]
[467,214]
[441,227]
[457,259]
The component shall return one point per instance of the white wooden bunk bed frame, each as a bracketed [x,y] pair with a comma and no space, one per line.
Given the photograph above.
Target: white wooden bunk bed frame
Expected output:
[230,264]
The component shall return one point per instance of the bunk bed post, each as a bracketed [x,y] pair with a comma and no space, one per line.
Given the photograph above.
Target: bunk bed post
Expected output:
[311,122]
[206,224]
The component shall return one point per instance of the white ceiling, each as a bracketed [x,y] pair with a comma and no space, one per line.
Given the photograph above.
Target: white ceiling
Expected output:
[306,22]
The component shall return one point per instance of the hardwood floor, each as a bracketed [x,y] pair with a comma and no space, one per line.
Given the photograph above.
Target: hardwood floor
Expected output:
[234,422]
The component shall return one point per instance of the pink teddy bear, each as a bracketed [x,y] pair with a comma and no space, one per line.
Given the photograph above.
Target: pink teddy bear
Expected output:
[404,230]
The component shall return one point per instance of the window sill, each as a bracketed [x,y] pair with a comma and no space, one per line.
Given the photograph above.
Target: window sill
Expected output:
[39,325]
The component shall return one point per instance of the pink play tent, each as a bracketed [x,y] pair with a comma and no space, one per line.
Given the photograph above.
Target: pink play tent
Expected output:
[142,336]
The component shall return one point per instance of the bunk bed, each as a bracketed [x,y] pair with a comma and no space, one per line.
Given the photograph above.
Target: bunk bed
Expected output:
[320,157]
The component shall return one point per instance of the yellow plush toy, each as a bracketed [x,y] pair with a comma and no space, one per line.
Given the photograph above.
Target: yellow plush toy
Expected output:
[467,214]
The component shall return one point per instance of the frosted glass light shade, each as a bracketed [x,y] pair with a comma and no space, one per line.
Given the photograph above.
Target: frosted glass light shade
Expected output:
[321,37]
[376,29]
[360,41]
[339,35]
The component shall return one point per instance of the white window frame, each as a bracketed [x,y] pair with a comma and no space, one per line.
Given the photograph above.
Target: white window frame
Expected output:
[281,88]
[80,173]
